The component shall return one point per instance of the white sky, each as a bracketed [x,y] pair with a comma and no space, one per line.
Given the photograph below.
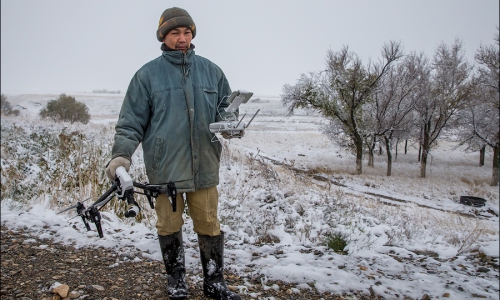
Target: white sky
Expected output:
[79,46]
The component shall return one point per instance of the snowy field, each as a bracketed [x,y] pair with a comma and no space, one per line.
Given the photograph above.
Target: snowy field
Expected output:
[284,186]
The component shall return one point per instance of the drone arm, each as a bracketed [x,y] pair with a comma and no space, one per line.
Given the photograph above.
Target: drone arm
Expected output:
[155,190]
[111,190]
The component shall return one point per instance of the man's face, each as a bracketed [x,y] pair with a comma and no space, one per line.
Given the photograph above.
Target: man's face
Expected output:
[179,39]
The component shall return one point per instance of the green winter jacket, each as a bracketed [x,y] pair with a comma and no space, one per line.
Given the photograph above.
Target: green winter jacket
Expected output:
[169,106]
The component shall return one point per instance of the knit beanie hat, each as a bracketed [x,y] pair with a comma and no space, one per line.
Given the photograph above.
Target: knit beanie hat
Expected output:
[172,18]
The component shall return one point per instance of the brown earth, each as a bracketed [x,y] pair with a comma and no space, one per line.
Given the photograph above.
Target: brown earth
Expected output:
[30,266]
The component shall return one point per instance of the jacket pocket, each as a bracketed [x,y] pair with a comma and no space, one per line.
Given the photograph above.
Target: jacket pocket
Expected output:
[210,96]
[158,154]
[210,91]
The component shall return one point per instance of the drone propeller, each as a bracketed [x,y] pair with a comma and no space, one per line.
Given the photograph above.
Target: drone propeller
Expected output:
[73,206]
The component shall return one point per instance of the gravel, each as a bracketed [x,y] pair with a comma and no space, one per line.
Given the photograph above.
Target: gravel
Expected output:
[34,268]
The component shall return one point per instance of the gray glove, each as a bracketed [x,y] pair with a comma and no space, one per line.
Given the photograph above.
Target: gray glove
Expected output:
[229,136]
[116,162]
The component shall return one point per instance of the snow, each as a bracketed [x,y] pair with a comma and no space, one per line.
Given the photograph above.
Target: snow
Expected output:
[407,236]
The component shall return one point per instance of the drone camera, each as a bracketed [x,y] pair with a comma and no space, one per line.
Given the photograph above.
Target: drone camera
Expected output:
[127,192]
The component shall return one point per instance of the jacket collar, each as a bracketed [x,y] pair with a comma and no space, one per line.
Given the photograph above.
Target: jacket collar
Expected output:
[177,57]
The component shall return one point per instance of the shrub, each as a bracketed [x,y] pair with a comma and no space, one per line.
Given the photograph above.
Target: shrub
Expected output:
[66,108]
[336,242]
[6,107]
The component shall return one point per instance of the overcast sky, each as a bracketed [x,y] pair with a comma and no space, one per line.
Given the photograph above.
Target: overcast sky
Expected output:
[61,46]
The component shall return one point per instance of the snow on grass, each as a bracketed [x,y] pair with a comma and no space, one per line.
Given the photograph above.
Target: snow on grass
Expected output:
[405,235]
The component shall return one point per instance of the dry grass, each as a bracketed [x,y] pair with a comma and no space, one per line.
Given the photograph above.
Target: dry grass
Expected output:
[62,164]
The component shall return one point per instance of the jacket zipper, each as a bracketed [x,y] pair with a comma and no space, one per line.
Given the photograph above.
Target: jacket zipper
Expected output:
[185,73]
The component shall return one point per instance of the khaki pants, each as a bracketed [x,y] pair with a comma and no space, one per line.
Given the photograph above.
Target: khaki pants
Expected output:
[202,207]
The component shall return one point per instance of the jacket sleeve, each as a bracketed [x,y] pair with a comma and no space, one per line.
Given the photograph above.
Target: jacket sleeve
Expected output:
[224,93]
[133,120]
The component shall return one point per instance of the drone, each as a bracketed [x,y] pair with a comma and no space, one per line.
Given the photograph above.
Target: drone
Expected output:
[231,125]
[123,188]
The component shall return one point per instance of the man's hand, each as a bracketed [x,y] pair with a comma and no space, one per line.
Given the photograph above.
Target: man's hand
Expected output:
[114,164]
[229,136]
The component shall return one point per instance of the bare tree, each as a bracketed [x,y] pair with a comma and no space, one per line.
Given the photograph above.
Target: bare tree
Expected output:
[395,99]
[339,93]
[485,107]
[451,86]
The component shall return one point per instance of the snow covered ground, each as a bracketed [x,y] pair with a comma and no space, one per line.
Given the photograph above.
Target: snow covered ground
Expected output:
[407,236]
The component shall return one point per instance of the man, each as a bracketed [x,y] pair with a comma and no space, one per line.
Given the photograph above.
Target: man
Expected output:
[169,106]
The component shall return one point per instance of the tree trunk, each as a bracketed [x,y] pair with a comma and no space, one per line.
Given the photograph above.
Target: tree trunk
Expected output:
[495,178]
[396,156]
[371,150]
[389,155]
[425,151]
[420,143]
[423,164]
[419,151]
[359,156]
[406,146]
[481,155]
[370,159]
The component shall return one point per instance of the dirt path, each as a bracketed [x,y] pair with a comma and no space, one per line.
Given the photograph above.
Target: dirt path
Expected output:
[322,178]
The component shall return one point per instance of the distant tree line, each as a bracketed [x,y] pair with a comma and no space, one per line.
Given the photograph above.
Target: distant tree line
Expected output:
[105,91]
[406,96]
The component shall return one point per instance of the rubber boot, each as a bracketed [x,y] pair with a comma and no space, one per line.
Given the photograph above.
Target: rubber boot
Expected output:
[172,250]
[212,261]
